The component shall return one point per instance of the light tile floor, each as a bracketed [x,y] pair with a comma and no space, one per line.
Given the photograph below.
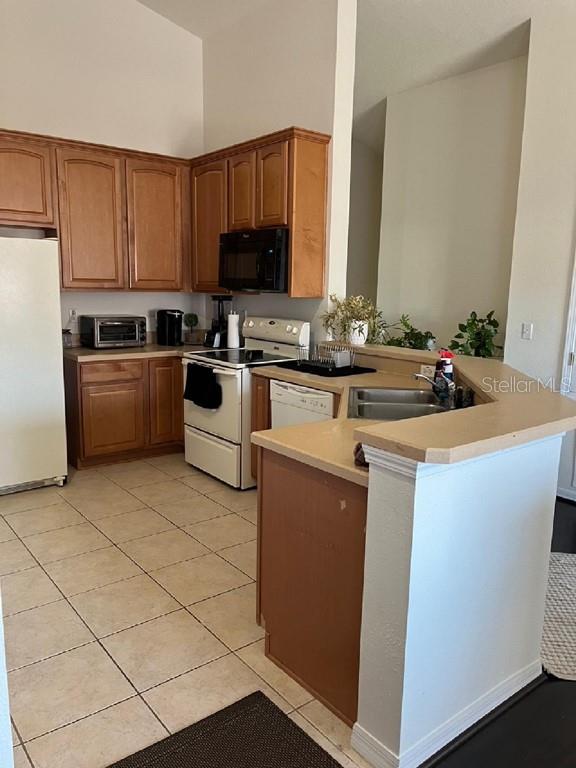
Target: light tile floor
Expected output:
[129,604]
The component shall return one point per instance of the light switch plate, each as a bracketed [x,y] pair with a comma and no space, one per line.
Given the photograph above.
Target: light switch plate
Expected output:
[527,332]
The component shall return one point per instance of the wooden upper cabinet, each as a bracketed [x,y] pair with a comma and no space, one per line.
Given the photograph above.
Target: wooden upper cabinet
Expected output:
[209,207]
[92,235]
[272,185]
[241,191]
[166,399]
[154,205]
[26,179]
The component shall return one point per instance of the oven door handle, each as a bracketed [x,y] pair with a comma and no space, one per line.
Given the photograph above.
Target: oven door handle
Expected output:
[224,372]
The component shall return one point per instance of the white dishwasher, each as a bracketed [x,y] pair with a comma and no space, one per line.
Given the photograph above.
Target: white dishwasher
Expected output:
[293,404]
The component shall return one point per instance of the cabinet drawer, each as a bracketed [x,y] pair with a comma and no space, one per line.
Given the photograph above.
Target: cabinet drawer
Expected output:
[123,370]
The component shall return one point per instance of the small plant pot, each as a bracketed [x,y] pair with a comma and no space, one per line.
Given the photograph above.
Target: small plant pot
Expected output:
[358,333]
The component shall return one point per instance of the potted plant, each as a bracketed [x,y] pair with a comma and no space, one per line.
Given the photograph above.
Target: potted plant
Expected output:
[409,336]
[190,321]
[476,336]
[355,320]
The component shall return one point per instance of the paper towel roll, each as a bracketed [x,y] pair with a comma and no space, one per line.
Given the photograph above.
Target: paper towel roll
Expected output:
[233,341]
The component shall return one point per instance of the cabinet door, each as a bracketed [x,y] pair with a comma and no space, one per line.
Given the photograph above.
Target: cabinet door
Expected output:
[166,400]
[209,203]
[26,179]
[260,414]
[92,236]
[241,191]
[113,418]
[272,185]
[154,195]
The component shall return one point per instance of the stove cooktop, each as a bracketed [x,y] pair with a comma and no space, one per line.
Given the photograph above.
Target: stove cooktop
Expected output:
[239,358]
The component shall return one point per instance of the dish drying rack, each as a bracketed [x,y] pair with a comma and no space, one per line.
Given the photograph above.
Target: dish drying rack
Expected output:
[328,355]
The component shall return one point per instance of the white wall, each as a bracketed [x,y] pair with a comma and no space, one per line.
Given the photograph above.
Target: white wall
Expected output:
[288,64]
[451,161]
[544,239]
[131,303]
[109,72]
[364,224]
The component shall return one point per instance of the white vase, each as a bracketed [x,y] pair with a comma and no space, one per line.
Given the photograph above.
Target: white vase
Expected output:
[358,332]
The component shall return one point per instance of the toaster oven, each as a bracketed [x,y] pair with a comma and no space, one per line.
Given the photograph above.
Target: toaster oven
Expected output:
[112,331]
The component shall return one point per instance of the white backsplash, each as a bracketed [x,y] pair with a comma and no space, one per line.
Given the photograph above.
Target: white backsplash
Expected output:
[131,303]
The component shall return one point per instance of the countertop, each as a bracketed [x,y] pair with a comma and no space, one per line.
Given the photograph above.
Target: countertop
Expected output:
[86,355]
[514,410]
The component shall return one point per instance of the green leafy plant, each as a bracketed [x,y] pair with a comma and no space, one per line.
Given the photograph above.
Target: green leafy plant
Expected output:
[476,336]
[347,314]
[409,336]
[191,320]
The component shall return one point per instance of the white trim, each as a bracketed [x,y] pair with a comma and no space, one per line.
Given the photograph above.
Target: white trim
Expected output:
[570,339]
[567,493]
[372,749]
[382,757]
[411,468]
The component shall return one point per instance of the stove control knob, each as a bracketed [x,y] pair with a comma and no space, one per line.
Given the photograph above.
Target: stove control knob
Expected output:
[288,328]
[294,330]
[251,324]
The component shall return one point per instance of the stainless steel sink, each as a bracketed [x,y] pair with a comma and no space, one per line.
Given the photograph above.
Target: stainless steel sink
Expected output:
[392,404]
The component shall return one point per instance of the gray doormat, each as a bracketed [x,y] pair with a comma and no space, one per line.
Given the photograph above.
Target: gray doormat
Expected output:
[252,733]
[559,635]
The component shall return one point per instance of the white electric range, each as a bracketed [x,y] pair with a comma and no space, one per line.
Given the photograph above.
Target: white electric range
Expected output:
[218,441]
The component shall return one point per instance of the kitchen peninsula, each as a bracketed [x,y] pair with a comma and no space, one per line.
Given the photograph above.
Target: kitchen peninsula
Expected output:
[410,596]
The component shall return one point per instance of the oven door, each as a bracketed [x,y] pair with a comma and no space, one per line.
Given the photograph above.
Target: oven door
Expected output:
[226,421]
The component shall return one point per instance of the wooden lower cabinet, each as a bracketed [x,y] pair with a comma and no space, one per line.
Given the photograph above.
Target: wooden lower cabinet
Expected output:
[166,400]
[311,535]
[261,417]
[122,409]
[113,418]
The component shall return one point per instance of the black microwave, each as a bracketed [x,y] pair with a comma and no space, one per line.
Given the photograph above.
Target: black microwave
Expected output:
[254,260]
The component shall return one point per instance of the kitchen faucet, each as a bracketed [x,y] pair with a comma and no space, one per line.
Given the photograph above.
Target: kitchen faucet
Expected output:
[443,387]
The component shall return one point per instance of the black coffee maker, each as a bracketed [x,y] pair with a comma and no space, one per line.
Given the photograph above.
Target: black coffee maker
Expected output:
[216,336]
[169,327]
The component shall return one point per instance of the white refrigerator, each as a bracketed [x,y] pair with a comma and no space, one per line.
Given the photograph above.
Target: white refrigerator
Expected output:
[32,422]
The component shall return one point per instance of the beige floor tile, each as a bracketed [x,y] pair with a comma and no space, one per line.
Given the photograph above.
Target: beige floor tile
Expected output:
[91,570]
[200,578]
[163,549]
[163,493]
[15,737]
[44,519]
[65,542]
[322,741]
[249,514]
[18,502]
[289,689]
[197,694]
[14,557]
[133,525]
[132,474]
[222,532]
[231,616]
[123,604]
[204,483]
[55,692]
[233,499]
[84,481]
[333,729]
[173,464]
[99,740]
[6,533]
[158,650]
[243,556]
[43,632]
[96,503]
[192,510]
[20,759]
[27,589]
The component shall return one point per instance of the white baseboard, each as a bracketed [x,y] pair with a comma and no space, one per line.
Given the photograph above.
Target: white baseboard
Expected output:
[567,493]
[382,757]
